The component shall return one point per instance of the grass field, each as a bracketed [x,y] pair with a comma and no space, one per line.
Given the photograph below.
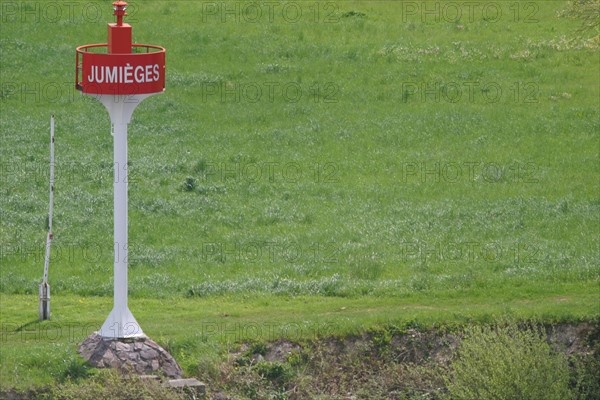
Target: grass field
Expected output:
[313,168]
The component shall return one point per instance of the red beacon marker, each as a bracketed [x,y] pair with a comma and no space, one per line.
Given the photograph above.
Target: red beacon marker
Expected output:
[120,67]
[120,7]
[120,74]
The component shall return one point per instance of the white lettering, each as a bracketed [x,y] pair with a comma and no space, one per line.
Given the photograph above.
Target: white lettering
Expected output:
[139,74]
[90,77]
[128,73]
[111,74]
[124,74]
[99,78]
[148,73]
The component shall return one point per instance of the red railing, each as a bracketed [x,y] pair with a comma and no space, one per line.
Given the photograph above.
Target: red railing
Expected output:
[138,50]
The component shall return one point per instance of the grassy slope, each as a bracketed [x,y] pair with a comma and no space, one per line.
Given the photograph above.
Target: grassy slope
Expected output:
[340,223]
[39,353]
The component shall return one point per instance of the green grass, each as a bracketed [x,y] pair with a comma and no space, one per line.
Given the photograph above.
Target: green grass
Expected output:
[363,191]
[195,330]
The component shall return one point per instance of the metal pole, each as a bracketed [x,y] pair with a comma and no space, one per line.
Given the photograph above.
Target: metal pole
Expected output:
[120,322]
[44,289]
[120,216]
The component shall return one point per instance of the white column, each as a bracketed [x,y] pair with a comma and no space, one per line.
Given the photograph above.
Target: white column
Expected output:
[120,215]
[120,323]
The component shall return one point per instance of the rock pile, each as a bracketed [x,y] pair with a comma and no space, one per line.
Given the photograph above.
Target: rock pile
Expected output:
[141,356]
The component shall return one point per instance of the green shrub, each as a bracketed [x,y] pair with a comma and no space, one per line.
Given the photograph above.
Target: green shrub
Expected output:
[584,374]
[506,362]
[278,373]
[189,184]
[585,377]
[257,348]
[382,338]
[74,369]
[298,358]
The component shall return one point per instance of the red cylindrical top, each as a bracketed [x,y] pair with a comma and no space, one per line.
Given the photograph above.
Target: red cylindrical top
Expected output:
[123,68]
[119,7]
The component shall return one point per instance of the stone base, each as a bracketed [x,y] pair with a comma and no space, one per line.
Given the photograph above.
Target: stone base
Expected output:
[193,388]
[139,355]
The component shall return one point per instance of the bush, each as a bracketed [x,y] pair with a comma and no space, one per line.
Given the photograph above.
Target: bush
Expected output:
[506,362]
[278,373]
[74,369]
[584,374]
[585,377]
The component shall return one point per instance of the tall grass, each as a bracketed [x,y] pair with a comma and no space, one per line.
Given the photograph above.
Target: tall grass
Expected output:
[505,362]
